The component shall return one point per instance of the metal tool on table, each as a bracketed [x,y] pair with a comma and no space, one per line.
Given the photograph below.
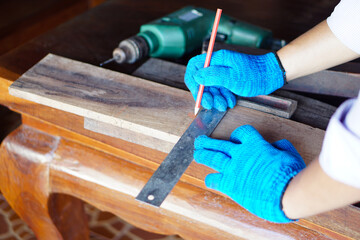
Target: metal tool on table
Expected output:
[179,158]
[183,31]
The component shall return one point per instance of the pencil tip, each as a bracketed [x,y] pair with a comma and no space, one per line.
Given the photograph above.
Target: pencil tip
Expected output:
[196,110]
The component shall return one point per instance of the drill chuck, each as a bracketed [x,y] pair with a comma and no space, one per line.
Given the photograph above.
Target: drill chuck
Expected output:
[131,50]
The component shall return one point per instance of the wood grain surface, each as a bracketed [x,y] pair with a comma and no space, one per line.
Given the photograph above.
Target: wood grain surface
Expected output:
[141,106]
[144,108]
[25,158]
[190,211]
[128,135]
[329,224]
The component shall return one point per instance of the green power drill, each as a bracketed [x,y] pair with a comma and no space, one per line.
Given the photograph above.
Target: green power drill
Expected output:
[183,31]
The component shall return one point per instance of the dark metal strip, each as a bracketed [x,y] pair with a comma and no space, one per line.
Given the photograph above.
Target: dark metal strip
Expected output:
[170,170]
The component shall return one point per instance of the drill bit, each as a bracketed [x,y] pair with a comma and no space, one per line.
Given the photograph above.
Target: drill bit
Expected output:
[107,61]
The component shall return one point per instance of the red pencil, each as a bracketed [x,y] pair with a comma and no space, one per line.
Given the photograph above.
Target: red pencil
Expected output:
[208,57]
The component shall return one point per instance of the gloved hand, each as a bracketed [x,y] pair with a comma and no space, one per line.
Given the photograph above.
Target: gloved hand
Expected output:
[232,73]
[253,172]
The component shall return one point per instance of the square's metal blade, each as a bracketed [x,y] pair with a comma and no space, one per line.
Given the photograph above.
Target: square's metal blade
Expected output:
[170,170]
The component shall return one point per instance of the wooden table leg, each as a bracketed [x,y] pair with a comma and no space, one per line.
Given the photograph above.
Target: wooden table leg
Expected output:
[25,156]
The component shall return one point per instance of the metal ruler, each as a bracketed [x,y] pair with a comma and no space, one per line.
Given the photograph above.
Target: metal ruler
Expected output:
[170,170]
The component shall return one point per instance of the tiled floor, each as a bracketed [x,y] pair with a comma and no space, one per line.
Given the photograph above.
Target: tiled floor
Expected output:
[103,226]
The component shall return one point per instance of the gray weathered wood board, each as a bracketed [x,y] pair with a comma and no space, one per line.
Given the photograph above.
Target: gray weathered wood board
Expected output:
[145,110]
[111,97]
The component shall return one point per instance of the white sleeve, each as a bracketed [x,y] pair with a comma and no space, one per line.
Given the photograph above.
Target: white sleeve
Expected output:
[340,154]
[344,22]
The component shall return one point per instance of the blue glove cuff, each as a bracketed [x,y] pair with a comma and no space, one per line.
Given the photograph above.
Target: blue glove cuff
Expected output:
[282,68]
[275,213]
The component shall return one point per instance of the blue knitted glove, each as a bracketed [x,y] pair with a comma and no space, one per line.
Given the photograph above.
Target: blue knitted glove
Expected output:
[232,73]
[253,172]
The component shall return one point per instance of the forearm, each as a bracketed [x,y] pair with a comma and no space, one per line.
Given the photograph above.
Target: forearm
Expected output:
[312,192]
[315,50]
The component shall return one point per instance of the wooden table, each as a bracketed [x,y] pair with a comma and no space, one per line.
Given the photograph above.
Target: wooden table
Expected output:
[51,162]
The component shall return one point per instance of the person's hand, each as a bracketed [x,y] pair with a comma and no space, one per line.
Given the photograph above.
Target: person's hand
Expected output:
[232,73]
[253,172]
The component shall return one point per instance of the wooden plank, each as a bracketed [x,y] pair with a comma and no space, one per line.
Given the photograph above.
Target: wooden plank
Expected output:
[278,106]
[107,96]
[341,221]
[309,111]
[142,107]
[164,72]
[127,135]
[347,84]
